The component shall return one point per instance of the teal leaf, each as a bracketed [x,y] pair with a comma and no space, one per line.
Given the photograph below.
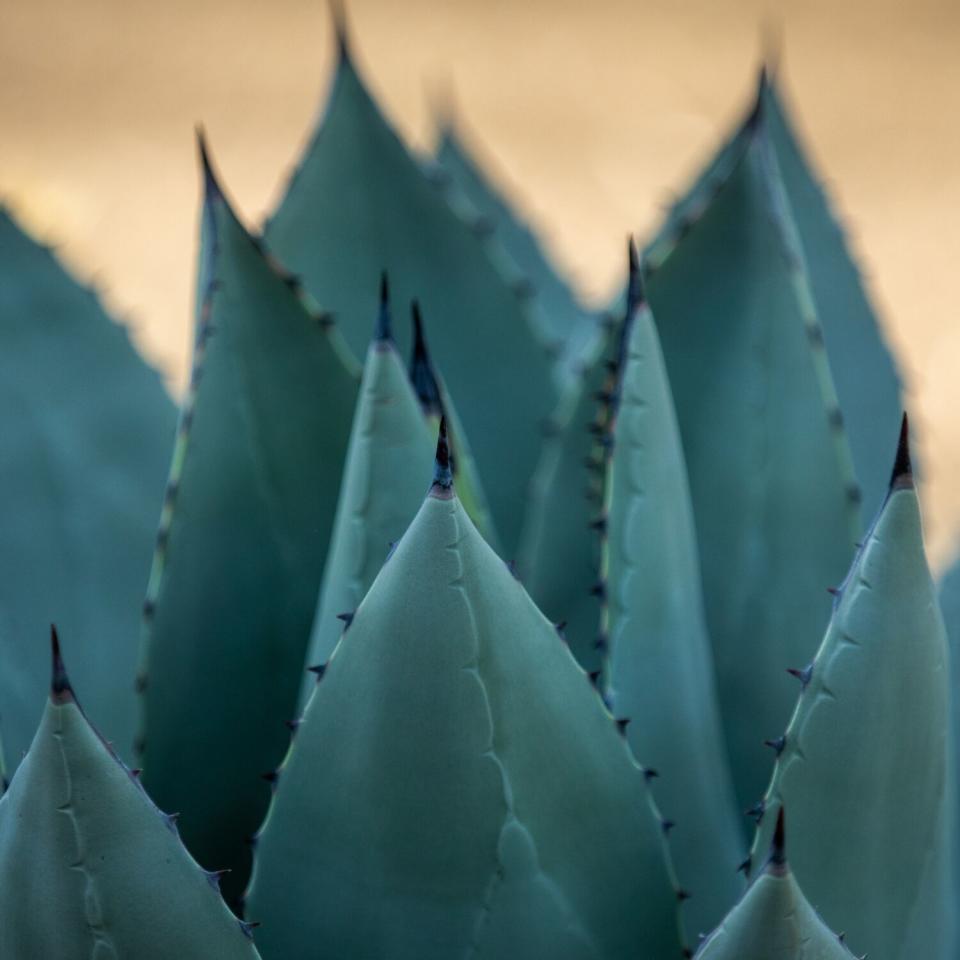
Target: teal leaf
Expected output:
[771,480]
[89,867]
[359,204]
[87,428]
[774,920]
[659,665]
[382,487]
[564,325]
[862,771]
[456,786]
[436,402]
[864,371]
[243,537]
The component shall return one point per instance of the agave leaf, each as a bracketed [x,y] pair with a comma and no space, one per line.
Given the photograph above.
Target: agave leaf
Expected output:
[436,402]
[456,786]
[564,325]
[3,771]
[89,867]
[862,768]
[360,204]
[864,371]
[382,487]
[559,554]
[771,480]
[86,429]
[242,542]
[774,920]
[659,666]
[949,596]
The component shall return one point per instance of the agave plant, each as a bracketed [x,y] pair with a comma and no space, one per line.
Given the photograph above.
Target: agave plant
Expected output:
[471,649]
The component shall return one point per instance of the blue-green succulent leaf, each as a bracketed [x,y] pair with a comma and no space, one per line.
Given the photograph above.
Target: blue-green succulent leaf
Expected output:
[243,538]
[359,204]
[90,868]
[86,430]
[659,665]
[774,920]
[456,786]
[565,326]
[775,503]
[862,770]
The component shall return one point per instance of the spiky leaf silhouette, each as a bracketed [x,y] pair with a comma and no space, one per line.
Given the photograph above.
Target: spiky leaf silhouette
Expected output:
[250,507]
[565,326]
[774,498]
[382,488]
[359,204]
[456,785]
[659,666]
[86,430]
[862,771]
[89,867]
[774,920]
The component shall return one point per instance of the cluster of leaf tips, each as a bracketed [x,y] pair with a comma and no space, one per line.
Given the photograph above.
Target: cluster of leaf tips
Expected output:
[515,707]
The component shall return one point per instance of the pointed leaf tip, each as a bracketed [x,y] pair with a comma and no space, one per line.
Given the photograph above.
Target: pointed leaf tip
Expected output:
[422,377]
[60,689]
[778,846]
[442,473]
[338,14]
[384,329]
[902,475]
[211,185]
[635,290]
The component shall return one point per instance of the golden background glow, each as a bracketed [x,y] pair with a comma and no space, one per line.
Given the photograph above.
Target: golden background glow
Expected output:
[591,113]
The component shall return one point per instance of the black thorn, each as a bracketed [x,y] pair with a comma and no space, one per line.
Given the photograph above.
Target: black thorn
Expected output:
[778,846]
[271,776]
[594,678]
[60,689]
[601,642]
[248,926]
[757,811]
[347,619]
[319,669]
[833,591]
[683,895]
[902,474]
[636,295]
[744,866]
[777,744]
[561,630]
[383,330]
[339,16]
[622,724]
[422,376]
[213,877]
[599,590]
[292,725]
[211,186]
[442,474]
[140,683]
[804,675]
[650,774]
[149,609]
[600,524]
[135,772]
[666,826]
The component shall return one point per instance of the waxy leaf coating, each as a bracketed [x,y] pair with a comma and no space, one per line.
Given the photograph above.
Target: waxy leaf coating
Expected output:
[359,204]
[862,772]
[243,538]
[456,786]
[90,869]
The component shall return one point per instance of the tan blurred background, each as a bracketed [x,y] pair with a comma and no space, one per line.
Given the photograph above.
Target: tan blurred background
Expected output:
[591,114]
